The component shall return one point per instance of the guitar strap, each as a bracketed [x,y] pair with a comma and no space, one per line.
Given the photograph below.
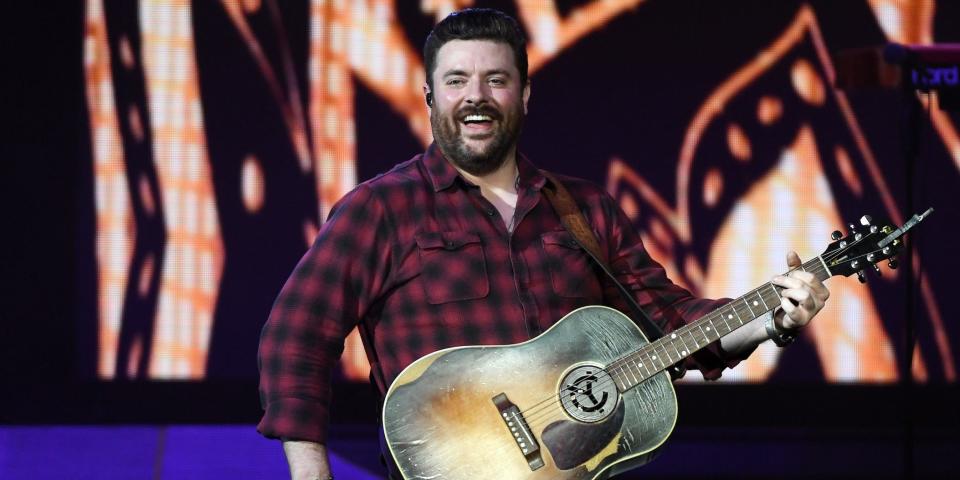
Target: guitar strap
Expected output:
[572,219]
[376,374]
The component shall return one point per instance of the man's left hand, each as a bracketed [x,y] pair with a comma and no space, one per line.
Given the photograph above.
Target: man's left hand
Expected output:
[803,295]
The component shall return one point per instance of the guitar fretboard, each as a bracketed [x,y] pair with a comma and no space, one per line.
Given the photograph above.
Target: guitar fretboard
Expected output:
[635,367]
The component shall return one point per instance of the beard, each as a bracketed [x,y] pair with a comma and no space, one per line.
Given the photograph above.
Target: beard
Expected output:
[447,133]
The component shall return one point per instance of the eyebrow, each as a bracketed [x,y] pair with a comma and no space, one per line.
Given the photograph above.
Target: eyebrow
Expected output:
[496,71]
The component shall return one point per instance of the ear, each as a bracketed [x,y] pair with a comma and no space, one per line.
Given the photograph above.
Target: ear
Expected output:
[526,96]
[426,95]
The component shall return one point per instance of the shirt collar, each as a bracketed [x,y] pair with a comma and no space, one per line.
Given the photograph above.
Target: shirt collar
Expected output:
[443,174]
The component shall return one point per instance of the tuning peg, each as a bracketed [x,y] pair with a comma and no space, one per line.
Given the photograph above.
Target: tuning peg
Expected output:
[893,264]
[876,268]
[853,228]
[866,220]
[836,235]
[861,277]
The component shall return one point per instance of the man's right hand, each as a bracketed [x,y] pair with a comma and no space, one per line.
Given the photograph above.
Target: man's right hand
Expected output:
[307,460]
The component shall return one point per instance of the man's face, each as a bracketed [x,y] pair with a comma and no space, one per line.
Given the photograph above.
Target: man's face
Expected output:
[478,104]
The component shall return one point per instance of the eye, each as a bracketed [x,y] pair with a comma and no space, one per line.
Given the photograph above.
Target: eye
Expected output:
[498,81]
[455,82]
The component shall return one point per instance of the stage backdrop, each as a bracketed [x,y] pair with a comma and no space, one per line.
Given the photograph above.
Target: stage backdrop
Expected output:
[222,132]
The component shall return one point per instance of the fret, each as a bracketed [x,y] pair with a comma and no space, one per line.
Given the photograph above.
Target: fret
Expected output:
[666,353]
[640,374]
[621,385]
[705,337]
[765,306]
[721,333]
[632,375]
[739,318]
[725,322]
[673,344]
[657,358]
[825,268]
[709,329]
[686,348]
[775,290]
[644,365]
[617,372]
[643,357]
[692,335]
[752,313]
[729,316]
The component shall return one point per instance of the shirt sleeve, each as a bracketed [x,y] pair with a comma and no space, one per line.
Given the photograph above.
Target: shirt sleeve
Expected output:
[328,292]
[668,304]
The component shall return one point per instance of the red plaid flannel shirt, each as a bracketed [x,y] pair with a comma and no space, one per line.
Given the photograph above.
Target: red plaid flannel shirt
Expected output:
[427,263]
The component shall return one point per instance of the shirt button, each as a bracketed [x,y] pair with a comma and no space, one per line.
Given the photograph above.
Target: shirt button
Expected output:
[490,212]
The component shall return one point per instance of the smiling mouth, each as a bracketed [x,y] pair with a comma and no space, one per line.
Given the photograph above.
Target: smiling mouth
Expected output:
[477,123]
[477,118]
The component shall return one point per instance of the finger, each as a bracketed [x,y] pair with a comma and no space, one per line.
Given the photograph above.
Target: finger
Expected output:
[807,301]
[800,296]
[793,316]
[816,287]
[805,277]
[820,290]
[788,281]
[804,281]
[793,260]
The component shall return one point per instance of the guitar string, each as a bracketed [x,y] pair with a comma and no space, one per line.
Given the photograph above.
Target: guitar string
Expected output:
[546,405]
[815,267]
[536,416]
[536,412]
[533,414]
[818,267]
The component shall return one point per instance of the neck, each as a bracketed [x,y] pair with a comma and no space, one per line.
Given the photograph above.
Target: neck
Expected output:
[499,187]
[502,179]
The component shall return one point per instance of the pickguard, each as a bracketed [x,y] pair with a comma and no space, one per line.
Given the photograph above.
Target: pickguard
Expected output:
[573,443]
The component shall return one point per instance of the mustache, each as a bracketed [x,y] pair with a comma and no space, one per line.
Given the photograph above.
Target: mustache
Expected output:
[485,109]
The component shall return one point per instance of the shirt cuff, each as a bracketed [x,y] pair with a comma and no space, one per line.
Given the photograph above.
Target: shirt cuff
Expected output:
[295,419]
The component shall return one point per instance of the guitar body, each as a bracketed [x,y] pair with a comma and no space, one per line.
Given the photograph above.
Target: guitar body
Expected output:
[542,409]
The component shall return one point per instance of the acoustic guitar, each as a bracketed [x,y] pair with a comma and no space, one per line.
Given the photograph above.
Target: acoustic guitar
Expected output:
[587,399]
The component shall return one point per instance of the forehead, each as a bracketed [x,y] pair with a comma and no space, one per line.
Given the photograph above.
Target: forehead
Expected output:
[475,55]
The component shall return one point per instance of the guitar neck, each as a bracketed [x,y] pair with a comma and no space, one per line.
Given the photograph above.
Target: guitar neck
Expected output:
[651,359]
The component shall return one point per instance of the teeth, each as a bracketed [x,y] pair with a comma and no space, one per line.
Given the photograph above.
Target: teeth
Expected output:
[477,118]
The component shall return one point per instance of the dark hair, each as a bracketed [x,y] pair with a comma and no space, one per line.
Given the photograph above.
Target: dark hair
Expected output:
[476,24]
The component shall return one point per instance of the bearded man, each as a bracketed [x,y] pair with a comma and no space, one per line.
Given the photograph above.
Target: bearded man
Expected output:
[459,246]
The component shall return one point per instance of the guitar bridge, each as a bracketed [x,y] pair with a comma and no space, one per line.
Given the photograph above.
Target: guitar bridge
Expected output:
[514,421]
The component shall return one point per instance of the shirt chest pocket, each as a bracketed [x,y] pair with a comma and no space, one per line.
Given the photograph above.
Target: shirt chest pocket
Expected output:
[571,269]
[453,266]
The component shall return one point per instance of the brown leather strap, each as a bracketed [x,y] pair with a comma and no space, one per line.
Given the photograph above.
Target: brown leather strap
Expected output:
[376,373]
[573,220]
[571,217]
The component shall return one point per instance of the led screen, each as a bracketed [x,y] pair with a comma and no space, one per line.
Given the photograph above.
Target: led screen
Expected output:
[222,132]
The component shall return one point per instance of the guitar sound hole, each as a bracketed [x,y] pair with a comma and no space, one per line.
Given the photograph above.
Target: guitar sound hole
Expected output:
[588,394]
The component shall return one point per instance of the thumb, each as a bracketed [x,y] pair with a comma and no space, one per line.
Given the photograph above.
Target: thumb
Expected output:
[793,260]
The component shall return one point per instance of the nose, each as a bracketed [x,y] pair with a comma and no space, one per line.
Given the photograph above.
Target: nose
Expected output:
[476,93]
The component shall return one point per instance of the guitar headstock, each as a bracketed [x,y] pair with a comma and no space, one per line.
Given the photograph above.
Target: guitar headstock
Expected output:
[866,245]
